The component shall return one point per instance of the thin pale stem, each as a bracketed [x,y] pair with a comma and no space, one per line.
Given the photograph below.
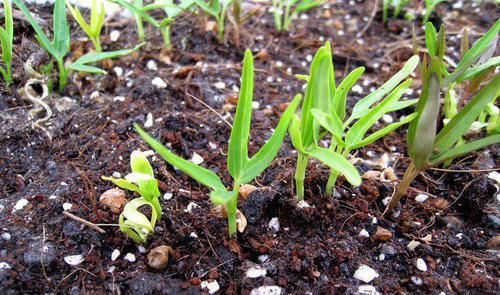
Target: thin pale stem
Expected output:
[231,212]
[96,41]
[410,174]
[165,32]
[63,75]
[300,173]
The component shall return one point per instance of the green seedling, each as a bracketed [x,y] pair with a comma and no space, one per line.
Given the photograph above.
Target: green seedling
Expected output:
[60,44]
[396,5]
[142,181]
[285,11]
[427,146]
[305,131]
[351,133]
[216,9]
[171,9]
[7,39]
[241,168]
[430,6]
[94,27]
[135,224]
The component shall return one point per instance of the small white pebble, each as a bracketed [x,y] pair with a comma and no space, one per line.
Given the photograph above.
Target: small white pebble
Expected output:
[116,174]
[367,290]
[270,79]
[142,249]
[6,236]
[364,234]
[279,64]
[365,273]
[196,158]
[118,71]
[256,272]
[74,259]
[119,98]
[159,83]
[459,236]
[193,235]
[220,85]
[421,265]
[151,65]
[212,286]
[266,290]
[20,204]
[274,224]
[357,89]
[303,204]
[494,176]
[412,245]
[263,258]
[309,58]
[387,118]
[67,206]
[4,265]
[386,200]
[421,198]
[255,105]
[129,257]
[168,196]
[190,207]
[111,269]
[115,254]
[212,145]
[381,257]
[114,35]
[416,280]
[149,121]
[374,220]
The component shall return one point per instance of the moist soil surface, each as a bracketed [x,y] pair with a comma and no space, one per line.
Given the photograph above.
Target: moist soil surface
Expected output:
[317,248]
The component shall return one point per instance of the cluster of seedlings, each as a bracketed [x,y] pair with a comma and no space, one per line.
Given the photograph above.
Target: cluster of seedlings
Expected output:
[319,115]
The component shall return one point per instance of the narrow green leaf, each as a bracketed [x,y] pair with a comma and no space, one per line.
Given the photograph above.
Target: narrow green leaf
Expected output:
[337,163]
[42,38]
[431,39]
[61,29]
[422,130]
[294,131]
[79,18]
[361,108]
[478,69]
[263,158]
[318,93]
[123,183]
[402,104]
[339,101]
[237,155]
[307,5]
[383,132]
[359,129]
[139,163]
[91,57]
[138,11]
[473,54]
[331,123]
[213,9]
[198,173]
[221,197]
[460,123]
[465,149]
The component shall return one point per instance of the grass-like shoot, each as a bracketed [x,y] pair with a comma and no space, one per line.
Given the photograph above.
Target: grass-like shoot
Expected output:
[428,146]
[59,46]
[94,27]
[350,133]
[141,13]
[216,9]
[430,6]
[242,168]
[6,40]
[305,130]
[285,11]
[142,181]
[396,5]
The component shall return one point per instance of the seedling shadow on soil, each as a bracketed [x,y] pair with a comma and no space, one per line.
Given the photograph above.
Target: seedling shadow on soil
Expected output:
[317,247]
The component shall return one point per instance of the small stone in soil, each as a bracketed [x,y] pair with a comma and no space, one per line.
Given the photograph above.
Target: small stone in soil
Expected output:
[256,272]
[129,257]
[246,190]
[151,65]
[365,273]
[364,234]
[416,280]
[115,254]
[67,206]
[74,259]
[412,245]
[212,286]
[167,196]
[114,35]
[159,256]
[196,158]
[382,234]
[4,265]
[274,224]
[421,198]
[266,290]
[190,207]
[367,290]
[303,204]
[6,236]
[159,83]
[149,121]
[20,205]
[421,265]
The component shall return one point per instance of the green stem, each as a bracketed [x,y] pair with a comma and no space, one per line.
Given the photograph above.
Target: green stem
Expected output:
[97,43]
[410,174]
[231,207]
[157,206]
[330,185]
[300,174]
[8,80]
[165,32]
[63,75]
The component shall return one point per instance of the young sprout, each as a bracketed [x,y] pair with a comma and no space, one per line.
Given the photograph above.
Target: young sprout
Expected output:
[285,11]
[351,133]
[427,146]
[171,10]
[241,168]
[396,5]
[6,40]
[305,131]
[135,224]
[60,44]
[430,5]
[216,9]
[143,182]
[92,29]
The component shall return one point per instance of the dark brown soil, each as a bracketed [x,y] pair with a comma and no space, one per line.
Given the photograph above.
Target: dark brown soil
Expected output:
[317,249]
